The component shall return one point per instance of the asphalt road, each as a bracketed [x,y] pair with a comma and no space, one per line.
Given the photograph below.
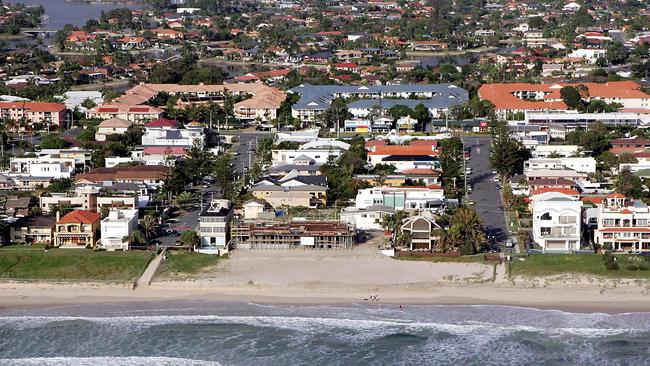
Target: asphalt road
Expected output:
[484,193]
[245,153]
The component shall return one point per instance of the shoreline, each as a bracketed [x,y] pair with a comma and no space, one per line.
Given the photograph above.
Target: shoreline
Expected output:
[577,299]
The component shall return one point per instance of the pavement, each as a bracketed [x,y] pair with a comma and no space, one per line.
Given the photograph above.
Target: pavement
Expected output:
[488,200]
[242,160]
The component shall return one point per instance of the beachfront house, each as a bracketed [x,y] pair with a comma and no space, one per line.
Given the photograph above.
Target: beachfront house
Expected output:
[557,221]
[77,229]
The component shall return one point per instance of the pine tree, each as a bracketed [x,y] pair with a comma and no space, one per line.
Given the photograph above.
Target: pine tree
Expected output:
[504,151]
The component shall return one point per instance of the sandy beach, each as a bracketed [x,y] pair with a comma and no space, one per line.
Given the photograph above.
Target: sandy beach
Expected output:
[307,277]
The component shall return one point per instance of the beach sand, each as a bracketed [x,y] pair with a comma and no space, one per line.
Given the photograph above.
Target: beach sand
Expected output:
[327,277]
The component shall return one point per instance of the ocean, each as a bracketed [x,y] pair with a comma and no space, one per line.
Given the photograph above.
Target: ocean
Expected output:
[230,333]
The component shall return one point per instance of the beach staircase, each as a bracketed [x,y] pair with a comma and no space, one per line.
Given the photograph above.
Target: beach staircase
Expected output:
[150,271]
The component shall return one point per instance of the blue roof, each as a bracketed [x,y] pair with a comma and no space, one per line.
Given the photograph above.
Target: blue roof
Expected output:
[319,97]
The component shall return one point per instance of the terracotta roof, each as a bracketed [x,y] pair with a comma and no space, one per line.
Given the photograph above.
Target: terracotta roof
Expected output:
[615,195]
[420,171]
[115,122]
[567,191]
[636,141]
[502,94]
[626,211]
[117,173]
[592,199]
[403,150]
[80,216]
[162,122]
[34,106]
[161,150]
[625,230]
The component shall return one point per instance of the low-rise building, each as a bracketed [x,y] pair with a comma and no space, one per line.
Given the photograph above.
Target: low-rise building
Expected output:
[402,198]
[582,165]
[113,126]
[306,195]
[49,114]
[43,166]
[422,232]
[214,227]
[138,114]
[557,222]
[77,229]
[623,224]
[370,218]
[302,234]
[116,227]
[32,230]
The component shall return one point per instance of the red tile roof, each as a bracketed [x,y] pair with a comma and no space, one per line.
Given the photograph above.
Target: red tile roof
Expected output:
[502,94]
[403,150]
[567,191]
[162,122]
[592,199]
[34,106]
[160,150]
[615,195]
[80,216]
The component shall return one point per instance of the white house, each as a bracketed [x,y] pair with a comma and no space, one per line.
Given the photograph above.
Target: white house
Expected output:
[623,224]
[401,198]
[155,136]
[43,166]
[565,151]
[581,165]
[306,157]
[214,228]
[571,7]
[370,218]
[591,55]
[557,221]
[113,126]
[116,226]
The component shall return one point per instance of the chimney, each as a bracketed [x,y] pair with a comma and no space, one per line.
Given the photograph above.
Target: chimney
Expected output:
[58,216]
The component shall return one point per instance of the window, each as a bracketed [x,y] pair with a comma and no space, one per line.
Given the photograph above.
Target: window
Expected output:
[546,216]
[545,231]
[608,222]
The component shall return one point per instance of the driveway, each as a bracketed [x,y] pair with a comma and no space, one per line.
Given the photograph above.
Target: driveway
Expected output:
[484,193]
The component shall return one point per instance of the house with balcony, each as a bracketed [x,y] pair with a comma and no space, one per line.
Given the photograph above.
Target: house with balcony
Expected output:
[32,230]
[422,231]
[214,227]
[430,198]
[115,227]
[77,229]
[557,222]
[623,224]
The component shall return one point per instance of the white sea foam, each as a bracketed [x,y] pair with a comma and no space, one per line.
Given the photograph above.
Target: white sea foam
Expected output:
[108,361]
[318,324]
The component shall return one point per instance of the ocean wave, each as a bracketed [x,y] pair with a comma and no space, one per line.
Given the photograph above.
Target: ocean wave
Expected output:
[318,324]
[108,361]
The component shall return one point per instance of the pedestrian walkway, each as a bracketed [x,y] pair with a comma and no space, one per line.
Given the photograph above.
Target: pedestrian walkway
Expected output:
[150,271]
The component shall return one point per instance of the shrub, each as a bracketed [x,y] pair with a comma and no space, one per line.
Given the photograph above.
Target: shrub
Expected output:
[632,267]
[611,265]
[643,267]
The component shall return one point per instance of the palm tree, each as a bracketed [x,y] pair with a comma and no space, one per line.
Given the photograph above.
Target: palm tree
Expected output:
[136,238]
[148,224]
[470,226]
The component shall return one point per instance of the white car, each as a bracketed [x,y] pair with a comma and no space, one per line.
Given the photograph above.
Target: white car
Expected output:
[496,178]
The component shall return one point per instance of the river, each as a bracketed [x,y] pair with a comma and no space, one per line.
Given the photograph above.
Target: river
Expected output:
[62,12]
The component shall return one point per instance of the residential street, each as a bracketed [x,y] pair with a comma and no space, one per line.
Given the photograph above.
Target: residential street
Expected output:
[484,193]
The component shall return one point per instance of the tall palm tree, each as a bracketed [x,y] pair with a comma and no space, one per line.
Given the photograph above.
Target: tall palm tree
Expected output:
[136,238]
[470,226]
[148,224]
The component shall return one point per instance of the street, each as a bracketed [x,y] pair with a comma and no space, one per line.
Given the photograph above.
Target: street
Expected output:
[484,193]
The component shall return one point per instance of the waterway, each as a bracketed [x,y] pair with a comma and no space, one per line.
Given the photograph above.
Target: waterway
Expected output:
[77,13]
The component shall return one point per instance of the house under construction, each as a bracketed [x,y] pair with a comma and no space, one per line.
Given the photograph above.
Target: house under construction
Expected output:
[307,234]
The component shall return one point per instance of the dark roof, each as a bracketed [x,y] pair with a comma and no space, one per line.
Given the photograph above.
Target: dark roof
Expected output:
[36,221]
[319,180]
[552,181]
[221,212]
[409,158]
[298,167]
